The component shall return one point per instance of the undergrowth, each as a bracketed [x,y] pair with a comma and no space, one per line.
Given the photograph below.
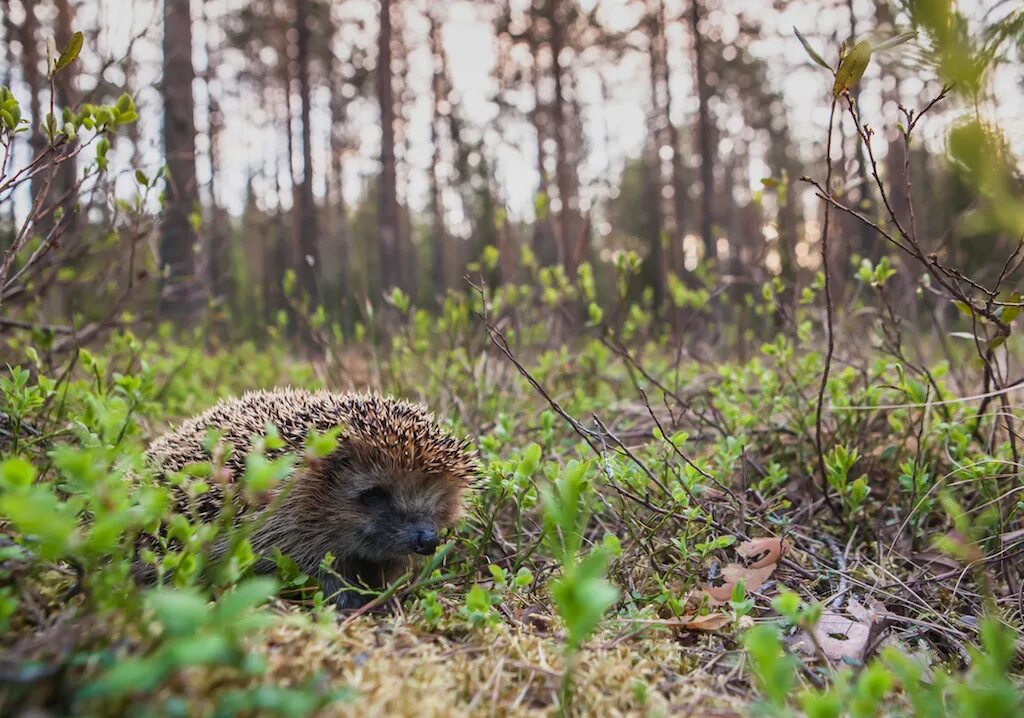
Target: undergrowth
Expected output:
[618,489]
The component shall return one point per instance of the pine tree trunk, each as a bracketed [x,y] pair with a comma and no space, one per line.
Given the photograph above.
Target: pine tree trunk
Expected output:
[338,211]
[654,269]
[306,253]
[543,232]
[390,247]
[569,253]
[442,262]
[64,83]
[676,252]
[7,61]
[180,294]
[217,255]
[29,37]
[704,135]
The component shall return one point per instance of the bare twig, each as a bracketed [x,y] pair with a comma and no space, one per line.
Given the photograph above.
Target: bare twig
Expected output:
[828,323]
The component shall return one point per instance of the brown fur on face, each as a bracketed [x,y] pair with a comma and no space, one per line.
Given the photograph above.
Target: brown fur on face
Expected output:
[393,482]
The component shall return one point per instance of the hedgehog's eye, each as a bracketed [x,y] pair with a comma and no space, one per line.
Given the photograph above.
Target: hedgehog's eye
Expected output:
[375,496]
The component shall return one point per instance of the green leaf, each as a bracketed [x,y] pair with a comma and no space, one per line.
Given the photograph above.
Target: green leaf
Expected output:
[180,611]
[70,52]
[321,445]
[204,649]
[1009,313]
[41,516]
[244,597]
[261,475]
[16,473]
[852,68]
[129,676]
[773,668]
[581,602]
[787,604]
[739,591]
[964,308]
[125,103]
[895,41]
[822,705]
[531,458]
[811,51]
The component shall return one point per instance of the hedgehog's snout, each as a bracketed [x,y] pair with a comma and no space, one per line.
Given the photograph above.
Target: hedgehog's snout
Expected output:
[423,538]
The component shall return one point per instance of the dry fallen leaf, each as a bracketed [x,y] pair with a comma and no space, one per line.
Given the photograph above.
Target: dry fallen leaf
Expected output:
[841,637]
[929,561]
[535,617]
[754,575]
[710,622]
[866,614]
[753,579]
[773,547]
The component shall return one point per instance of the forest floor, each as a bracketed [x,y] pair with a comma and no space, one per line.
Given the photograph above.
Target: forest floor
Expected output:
[695,495]
[395,667]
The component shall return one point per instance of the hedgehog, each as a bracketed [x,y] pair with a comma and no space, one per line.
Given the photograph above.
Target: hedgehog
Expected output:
[393,482]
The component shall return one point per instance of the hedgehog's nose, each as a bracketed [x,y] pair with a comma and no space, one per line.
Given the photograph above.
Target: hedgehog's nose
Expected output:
[425,540]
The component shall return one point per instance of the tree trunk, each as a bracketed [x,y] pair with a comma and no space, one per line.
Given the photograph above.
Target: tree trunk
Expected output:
[304,241]
[7,62]
[29,37]
[654,269]
[442,262]
[218,260]
[180,294]
[679,183]
[704,135]
[338,211]
[569,237]
[64,82]
[403,100]
[543,232]
[389,248]
[10,32]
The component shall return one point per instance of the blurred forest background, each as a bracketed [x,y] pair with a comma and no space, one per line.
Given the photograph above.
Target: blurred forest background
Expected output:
[365,145]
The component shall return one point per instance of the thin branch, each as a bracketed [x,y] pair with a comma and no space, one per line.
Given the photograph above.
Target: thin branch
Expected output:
[828,323]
